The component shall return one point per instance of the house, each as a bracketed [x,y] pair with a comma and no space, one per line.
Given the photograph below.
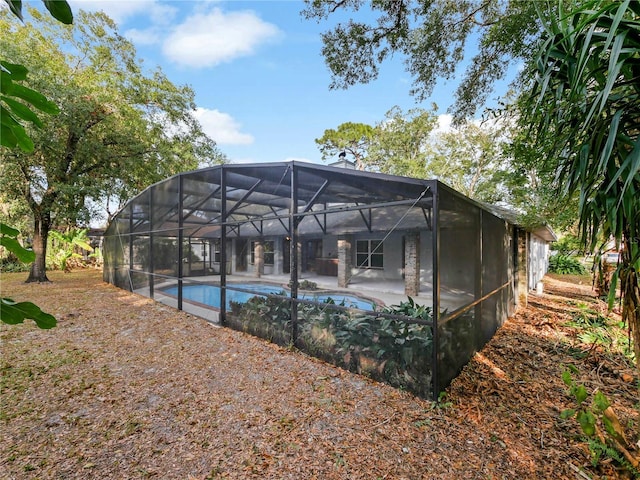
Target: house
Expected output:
[539,241]
[198,239]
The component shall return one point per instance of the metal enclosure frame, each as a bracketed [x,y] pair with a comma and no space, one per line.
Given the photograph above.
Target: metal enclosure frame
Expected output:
[448,253]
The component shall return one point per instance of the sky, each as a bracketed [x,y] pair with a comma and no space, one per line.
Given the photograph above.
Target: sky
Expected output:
[260,81]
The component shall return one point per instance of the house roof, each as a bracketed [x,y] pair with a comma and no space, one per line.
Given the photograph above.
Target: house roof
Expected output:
[545,232]
[541,229]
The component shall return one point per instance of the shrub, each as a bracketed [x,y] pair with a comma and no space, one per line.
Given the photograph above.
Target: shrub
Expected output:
[265,317]
[566,265]
[9,266]
[305,285]
[606,437]
[381,346]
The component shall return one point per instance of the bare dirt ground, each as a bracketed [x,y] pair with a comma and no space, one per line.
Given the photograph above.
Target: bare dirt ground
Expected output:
[125,388]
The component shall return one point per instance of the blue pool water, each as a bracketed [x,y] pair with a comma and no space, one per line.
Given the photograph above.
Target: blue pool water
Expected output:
[210,295]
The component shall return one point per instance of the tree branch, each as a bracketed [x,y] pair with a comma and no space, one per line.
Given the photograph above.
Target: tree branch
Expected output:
[471,15]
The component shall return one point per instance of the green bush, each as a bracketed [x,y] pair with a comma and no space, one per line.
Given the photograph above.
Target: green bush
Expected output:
[305,285]
[265,317]
[606,436]
[380,346]
[9,266]
[390,349]
[566,265]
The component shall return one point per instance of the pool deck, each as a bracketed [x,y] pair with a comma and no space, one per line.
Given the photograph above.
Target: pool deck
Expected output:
[385,291]
[388,292]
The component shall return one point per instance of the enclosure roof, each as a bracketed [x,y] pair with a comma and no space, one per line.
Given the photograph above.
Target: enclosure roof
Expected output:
[333,183]
[266,192]
[265,196]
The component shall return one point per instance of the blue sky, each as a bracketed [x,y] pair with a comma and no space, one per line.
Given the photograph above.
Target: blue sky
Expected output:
[261,84]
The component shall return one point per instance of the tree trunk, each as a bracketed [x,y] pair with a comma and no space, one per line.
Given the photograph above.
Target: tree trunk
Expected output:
[631,309]
[630,292]
[41,229]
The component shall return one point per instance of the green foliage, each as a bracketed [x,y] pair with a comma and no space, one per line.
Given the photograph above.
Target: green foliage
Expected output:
[396,350]
[591,113]
[597,329]
[13,111]
[306,285]
[443,403]
[583,108]
[96,257]
[601,453]
[59,9]
[532,185]
[598,423]
[351,138]
[469,158]
[265,317]
[399,142]
[411,309]
[15,312]
[15,98]
[12,312]
[7,265]
[386,339]
[431,37]
[120,129]
[9,240]
[566,265]
[13,134]
[569,244]
[65,244]
[18,258]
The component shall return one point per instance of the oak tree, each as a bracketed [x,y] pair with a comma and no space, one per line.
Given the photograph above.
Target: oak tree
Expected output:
[120,127]
[432,37]
[400,141]
[470,159]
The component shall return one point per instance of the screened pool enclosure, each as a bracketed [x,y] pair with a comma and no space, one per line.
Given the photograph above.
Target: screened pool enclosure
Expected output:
[399,279]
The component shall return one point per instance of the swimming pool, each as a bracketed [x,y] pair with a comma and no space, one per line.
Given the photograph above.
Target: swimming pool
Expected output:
[210,295]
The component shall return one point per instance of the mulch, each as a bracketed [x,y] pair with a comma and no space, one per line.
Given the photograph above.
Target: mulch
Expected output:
[127,388]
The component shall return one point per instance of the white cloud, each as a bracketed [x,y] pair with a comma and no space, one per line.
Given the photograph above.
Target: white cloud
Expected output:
[222,127]
[208,39]
[162,14]
[149,36]
[444,123]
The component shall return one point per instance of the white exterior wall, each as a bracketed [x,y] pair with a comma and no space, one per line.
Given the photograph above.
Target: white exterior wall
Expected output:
[538,259]
[426,257]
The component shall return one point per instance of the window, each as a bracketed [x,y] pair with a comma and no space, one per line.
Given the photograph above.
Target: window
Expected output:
[216,251]
[369,254]
[269,249]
